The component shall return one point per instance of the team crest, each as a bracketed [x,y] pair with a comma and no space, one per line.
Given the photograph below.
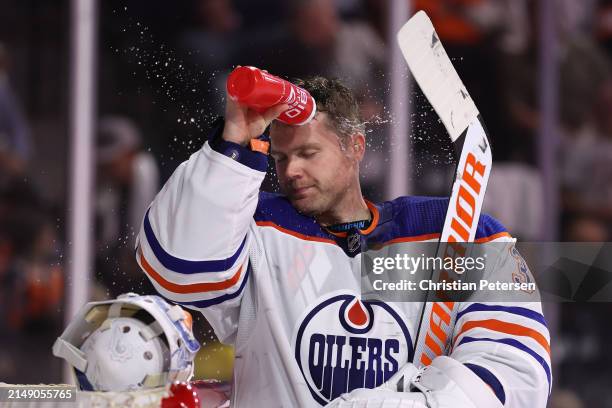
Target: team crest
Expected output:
[344,343]
[522,273]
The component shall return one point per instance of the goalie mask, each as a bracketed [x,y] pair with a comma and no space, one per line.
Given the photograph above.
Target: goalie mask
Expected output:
[129,343]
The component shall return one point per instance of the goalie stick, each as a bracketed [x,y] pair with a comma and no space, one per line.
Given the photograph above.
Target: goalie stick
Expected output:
[437,78]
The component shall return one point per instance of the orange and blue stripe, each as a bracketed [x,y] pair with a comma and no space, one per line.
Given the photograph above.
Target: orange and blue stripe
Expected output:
[185,266]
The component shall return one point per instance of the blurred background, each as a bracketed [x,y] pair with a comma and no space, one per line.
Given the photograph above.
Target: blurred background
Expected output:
[539,70]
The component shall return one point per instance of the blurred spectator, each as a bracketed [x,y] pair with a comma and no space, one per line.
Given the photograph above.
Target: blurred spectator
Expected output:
[459,21]
[584,65]
[31,285]
[210,39]
[128,180]
[582,68]
[316,41]
[15,142]
[586,170]
[585,228]
[261,14]
[603,24]
[471,31]
[211,44]
[31,275]
[31,280]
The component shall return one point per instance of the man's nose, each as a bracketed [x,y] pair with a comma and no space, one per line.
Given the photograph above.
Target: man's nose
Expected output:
[293,169]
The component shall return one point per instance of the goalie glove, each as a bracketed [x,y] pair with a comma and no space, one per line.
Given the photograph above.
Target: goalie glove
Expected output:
[446,383]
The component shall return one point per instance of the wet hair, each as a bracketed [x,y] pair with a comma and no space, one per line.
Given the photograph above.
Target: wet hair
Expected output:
[338,102]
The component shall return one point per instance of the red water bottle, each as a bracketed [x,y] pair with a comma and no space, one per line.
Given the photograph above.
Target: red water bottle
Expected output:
[260,91]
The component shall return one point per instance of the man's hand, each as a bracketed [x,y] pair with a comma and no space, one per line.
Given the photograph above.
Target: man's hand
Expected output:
[243,123]
[392,394]
[446,383]
[380,398]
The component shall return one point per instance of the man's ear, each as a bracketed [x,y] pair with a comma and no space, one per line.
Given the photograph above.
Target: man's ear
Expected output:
[358,144]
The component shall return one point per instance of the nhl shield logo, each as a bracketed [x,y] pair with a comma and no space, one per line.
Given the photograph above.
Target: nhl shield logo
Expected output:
[344,343]
[353,242]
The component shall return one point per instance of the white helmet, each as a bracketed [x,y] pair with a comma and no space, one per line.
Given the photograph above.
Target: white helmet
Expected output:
[129,343]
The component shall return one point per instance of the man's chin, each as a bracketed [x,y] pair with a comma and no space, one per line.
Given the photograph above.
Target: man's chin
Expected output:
[304,206]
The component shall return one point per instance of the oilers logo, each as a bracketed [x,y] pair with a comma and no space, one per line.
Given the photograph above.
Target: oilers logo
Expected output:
[343,343]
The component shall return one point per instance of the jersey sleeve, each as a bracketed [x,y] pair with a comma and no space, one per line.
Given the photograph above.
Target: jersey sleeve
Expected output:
[195,237]
[507,344]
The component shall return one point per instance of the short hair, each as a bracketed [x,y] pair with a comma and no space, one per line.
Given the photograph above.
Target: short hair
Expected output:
[338,102]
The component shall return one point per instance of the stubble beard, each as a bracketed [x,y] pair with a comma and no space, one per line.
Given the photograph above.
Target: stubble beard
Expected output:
[320,205]
[310,206]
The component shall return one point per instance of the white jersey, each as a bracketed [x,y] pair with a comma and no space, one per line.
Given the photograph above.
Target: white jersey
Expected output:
[286,292]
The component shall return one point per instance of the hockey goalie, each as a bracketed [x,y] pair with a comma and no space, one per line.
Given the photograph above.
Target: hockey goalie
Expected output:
[278,275]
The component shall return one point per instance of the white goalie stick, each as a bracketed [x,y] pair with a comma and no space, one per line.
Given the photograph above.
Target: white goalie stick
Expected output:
[437,78]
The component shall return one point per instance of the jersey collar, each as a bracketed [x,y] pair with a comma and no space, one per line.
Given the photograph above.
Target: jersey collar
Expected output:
[373,224]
